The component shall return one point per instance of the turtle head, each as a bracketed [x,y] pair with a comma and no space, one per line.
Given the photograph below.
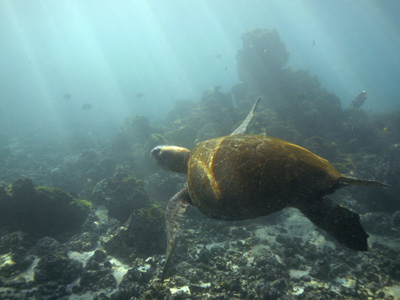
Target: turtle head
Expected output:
[171,158]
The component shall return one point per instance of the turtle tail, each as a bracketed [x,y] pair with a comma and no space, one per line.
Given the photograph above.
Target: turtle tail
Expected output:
[347,180]
[341,223]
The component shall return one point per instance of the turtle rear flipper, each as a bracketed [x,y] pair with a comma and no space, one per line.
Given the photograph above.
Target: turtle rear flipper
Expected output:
[340,222]
[347,180]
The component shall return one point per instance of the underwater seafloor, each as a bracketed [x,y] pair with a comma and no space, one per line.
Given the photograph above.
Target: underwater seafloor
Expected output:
[87,221]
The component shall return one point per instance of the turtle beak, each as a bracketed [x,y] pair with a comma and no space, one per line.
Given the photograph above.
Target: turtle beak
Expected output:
[155,153]
[171,158]
[158,154]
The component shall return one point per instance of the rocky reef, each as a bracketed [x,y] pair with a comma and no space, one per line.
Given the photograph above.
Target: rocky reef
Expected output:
[54,245]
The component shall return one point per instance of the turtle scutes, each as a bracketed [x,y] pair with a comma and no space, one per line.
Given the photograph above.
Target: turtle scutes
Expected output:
[243,176]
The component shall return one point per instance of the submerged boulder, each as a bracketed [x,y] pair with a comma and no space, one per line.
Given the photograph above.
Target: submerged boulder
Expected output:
[41,210]
[142,235]
[121,195]
[60,269]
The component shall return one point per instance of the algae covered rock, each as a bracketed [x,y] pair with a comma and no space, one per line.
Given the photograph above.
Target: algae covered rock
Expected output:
[41,210]
[143,235]
[121,194]
[59,210]
[60,269]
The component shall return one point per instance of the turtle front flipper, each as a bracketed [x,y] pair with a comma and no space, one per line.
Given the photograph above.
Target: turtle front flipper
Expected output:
[340,222]
[175,208]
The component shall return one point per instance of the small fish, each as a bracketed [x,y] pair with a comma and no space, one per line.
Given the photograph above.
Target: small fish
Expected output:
[226,68]
[86,106]
[313,42]
[67,96]
[218,56]
[139,95]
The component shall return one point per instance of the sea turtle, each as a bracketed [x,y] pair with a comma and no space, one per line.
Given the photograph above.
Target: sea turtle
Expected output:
[242,176]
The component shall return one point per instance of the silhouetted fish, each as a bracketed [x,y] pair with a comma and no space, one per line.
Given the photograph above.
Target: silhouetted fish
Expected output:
[86,106]
[139,95]
[218,56]
[67,96]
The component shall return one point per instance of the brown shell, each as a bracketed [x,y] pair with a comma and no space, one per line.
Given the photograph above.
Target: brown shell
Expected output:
[246,176]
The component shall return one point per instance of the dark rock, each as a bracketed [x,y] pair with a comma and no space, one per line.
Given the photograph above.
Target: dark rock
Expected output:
[57,211]
[101,296]
[16,202]
[140,274]
[15,244]
[265,290]
[99,256]
[143,235]
[129,290]
[58,269]
[146,232]
[85,241]
[21,190]
[239,233]
[205,256]
[115,244]
[48,245]
[15,240]
[121,195]
[51,290]
[135,280]
[100,227]
[396,220]
[16,283]
[321,269]
[107,264]
[95,280]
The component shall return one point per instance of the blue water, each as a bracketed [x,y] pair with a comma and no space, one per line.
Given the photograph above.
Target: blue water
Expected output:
[106,52]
